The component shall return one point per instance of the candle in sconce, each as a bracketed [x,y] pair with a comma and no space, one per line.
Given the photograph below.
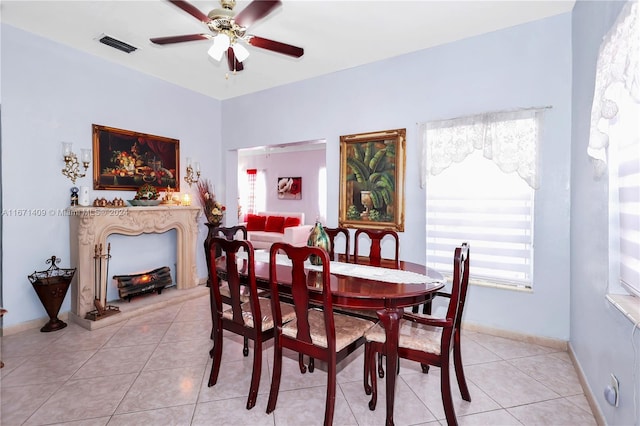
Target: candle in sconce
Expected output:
[66,148]
[188,161]
[86,155]
[197,165]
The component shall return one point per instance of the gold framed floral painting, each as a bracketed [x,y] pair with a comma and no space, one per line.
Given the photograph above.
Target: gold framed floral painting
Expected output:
[372,170]
[126,160]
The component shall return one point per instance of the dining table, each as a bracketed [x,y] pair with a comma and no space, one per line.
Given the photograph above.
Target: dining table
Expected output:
[384,286]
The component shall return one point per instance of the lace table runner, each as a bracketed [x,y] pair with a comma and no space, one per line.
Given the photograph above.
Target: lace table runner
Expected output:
[397,276]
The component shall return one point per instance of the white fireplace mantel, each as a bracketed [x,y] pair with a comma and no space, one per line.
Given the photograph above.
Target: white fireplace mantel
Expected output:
[91,226]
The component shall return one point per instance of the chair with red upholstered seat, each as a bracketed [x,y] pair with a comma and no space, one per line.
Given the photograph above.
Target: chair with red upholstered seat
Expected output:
[251,319]
[316,332]
[429,340]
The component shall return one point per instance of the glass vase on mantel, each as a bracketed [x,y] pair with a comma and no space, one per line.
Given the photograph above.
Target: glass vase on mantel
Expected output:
[318,238]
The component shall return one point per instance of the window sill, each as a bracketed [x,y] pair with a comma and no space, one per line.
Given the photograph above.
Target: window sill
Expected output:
[492,284]
[482,283]
[628,305]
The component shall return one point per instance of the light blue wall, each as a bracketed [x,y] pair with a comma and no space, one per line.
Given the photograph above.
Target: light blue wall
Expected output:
[51,93]
[600,335]
[528,65]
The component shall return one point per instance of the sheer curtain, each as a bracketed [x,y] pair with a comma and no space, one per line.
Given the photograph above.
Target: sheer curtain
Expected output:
[509,138]
[614,142]
[617,66]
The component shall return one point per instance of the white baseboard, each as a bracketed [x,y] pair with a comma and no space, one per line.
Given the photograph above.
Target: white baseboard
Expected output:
[29,325]
[595,408]
[538,340]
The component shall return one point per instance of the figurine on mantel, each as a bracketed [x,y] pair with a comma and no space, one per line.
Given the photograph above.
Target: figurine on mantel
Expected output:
[170,197]
[74,196]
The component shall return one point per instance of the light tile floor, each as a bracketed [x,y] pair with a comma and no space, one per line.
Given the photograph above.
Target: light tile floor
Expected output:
[153,370]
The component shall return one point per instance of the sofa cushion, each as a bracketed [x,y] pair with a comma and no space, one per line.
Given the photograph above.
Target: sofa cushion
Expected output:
[274,224]
[264,236]
[283,214]
[290,221]
[255,222]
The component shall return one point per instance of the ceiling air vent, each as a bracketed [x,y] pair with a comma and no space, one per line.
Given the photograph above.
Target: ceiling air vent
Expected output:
[117,44]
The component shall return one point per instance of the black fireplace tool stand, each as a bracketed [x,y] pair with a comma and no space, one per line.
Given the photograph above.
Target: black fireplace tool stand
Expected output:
[101,275]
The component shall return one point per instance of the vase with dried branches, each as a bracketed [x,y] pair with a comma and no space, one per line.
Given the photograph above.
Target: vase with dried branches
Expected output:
[213,209]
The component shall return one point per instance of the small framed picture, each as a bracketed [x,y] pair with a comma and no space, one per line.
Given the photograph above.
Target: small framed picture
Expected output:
[289,188]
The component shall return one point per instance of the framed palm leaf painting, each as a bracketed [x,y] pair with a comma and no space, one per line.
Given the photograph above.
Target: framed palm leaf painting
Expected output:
[372,170]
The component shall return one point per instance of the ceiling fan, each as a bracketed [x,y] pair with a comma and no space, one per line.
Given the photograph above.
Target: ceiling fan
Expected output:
[228,28]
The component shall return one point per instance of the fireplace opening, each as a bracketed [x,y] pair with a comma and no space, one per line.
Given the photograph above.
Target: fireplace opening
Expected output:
[139,254]
[132,285]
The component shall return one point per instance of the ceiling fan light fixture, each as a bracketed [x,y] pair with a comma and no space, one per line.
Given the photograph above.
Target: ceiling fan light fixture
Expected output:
[241,52]
[226,28]
[220,45]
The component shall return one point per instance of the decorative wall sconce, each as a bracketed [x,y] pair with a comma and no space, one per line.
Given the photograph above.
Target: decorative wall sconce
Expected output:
[71,164]
[190,178]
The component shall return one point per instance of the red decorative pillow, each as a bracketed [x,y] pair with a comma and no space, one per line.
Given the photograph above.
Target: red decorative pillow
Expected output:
[255,222]
[290,221]
[274,224]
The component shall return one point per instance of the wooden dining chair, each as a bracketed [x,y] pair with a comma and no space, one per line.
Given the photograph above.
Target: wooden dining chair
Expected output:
[428,340]
[332,233]
[230,233]
[238,232]
[318,333]
[252,319]
[375,237]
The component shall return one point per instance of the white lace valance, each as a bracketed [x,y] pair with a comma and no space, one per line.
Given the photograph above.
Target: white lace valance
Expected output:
[509,138]
[617,67]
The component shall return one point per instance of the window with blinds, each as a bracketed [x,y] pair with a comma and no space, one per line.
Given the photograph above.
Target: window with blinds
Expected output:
[475,201]
[625,182]
[629,202]
[614,144]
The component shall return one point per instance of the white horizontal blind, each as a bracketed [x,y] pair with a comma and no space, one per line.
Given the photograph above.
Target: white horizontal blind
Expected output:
[629,207]
[499,235]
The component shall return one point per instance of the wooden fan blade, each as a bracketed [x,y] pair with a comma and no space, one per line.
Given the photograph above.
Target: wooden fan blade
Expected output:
[191,10]
[234,64]
[257,9]
[180,38]
[276,46]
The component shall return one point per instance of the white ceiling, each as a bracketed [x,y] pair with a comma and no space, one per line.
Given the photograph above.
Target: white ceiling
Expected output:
[335,35]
